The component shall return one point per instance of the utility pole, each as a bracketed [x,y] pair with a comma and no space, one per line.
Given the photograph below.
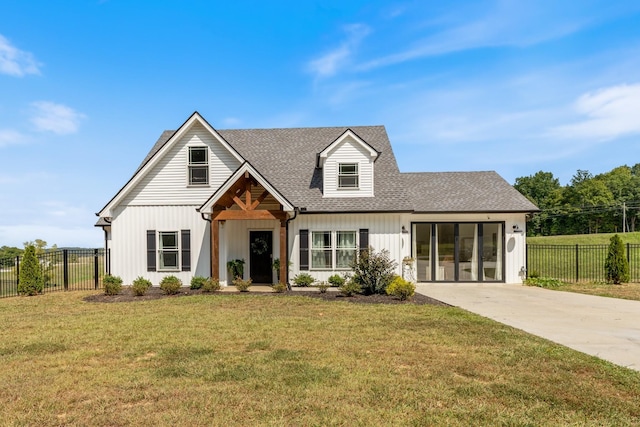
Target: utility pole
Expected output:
[624,217]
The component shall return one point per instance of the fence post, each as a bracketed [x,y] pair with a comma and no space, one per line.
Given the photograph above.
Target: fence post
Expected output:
[628,253]
[17,271]
[65,268]
[95,268]
[526,260]
[577,262]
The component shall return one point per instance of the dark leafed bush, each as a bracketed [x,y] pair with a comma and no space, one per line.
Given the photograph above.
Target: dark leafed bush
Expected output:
[197,282]
[31,280]
[373,271]
[112,284]
[170,285]
[616,265]
[140,286]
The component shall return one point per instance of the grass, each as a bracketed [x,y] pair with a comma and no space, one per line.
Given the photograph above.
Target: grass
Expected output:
[265,360]
[629,291]
[584,239]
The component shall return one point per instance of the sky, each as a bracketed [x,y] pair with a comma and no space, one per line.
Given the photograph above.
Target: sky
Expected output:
[87,87]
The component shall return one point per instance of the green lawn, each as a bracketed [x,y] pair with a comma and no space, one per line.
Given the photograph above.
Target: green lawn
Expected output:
[282,360]
[584,239]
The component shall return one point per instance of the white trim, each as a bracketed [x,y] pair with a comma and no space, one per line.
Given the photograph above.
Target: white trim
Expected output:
[322,156]
[155,159]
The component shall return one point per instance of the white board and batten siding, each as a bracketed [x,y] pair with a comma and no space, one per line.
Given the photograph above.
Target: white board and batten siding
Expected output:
[167,183]
[348,151]
[384,233]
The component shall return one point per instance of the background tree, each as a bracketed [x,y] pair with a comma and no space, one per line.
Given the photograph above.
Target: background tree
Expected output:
[616,266]
[31,282]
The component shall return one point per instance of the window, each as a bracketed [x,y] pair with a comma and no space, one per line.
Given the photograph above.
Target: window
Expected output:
[331,250]
[321,250]
[198,166]
[348,175]
[168,250]
[346,248]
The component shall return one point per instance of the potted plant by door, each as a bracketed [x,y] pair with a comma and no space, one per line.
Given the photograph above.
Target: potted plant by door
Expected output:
[236,268]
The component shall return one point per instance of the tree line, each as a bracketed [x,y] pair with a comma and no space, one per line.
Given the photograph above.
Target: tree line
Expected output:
[604,203]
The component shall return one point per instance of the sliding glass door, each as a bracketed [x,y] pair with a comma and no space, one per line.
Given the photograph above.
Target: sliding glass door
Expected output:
[458,252]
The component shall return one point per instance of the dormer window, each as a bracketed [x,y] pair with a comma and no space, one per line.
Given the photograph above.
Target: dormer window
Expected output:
[198,166]
[348,175]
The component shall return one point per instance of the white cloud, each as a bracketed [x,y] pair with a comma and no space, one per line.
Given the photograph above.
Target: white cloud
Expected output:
[610,113]
[328,64]
[11,137]
[56,118]
[16,62]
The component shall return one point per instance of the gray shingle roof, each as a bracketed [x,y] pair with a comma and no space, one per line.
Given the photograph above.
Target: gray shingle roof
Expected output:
[464,192]
[287,159]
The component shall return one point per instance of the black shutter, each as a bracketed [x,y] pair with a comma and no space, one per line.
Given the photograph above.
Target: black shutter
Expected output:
[185,242]
[364,239]
[304,249]
[151,250]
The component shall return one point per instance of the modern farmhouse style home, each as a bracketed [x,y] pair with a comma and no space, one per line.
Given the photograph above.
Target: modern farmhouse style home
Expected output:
[312,198]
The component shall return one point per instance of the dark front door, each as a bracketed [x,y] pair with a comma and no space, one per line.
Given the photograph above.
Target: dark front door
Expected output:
[260,254]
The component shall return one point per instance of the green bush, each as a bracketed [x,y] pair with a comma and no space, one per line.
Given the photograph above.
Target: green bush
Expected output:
[197,282]
[401,288]
[112,284]
[31,280]
[543,282]
[336,280]
[616,266]
[350,288]
[170,285]
[323,286]
[140,286]
[279,287]
[241,284]
[373,271]
[211,285]
[303,280]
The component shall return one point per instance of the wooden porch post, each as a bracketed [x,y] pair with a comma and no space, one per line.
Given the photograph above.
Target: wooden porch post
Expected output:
[284,267]
[215,249]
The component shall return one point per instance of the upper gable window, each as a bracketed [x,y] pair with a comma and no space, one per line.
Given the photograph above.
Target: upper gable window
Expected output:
[198,166]
[348,175]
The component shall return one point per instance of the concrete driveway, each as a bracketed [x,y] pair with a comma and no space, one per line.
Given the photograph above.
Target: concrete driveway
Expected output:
[608,328]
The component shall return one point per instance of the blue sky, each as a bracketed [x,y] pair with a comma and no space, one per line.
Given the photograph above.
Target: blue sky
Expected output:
[86,87]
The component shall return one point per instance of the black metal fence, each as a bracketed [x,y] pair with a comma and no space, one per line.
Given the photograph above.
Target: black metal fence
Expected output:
[577,263]
[62,270]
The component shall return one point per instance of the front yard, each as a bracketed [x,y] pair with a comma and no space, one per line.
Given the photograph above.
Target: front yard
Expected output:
[262,360]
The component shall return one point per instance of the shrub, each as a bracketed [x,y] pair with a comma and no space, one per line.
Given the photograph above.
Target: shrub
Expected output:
[112,284]
[303,280]
[350,288]
[373,271]
[242,285]
[140,286]
[279,287]
[170,285]
[336,280]
[323,286]
[31,280]
[211,285]
[534,274]
[197,282]
[616,266]
[401,288]
[543,282]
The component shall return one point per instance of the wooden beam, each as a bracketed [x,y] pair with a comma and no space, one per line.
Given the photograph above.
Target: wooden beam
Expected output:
[215,249]
[239,203]
[259,200]
[247,191]
[257,214]
[284,267]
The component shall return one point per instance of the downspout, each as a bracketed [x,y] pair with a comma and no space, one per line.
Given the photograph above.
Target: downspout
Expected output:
[107,252]
[286,228]
[202,214]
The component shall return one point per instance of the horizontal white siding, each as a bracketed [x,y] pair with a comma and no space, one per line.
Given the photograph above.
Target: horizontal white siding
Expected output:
[348,151]
[167,182]
[129,244]
[515,243]
[384,233]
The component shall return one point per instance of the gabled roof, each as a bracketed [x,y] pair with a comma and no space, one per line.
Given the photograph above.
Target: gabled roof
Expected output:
[244,168]
[322,156]
[163,145]
[464,192]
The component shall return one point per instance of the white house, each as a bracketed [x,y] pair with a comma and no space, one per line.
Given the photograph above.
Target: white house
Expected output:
[313,197]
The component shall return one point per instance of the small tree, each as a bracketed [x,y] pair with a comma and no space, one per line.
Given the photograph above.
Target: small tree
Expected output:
[31,281]
[373,271]
[616,266]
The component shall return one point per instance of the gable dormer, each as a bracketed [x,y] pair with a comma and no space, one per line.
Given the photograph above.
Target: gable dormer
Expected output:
[347,167]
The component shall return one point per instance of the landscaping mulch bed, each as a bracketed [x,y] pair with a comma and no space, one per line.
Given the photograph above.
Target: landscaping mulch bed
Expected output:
[156,293]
